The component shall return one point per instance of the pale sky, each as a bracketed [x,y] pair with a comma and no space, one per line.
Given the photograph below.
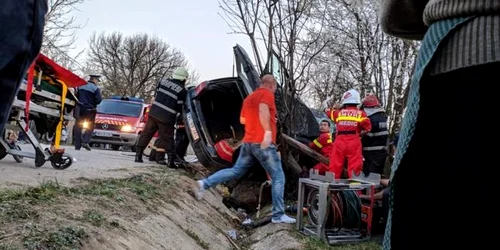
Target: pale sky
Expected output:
[193,26]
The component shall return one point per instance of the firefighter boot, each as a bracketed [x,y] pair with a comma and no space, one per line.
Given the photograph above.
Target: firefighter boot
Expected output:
[160,158]
[138,155]
[152,155]
[171,161]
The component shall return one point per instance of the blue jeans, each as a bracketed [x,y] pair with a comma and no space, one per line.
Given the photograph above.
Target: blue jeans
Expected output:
[250,154]
[21,31]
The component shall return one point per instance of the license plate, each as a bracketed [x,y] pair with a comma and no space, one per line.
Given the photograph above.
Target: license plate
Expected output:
[103,134]
[192,128]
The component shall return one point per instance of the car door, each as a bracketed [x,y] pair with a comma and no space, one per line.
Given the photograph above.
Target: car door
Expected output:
[246,71]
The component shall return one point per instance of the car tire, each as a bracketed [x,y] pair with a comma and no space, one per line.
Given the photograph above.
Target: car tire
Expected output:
[3,152]
[17,158]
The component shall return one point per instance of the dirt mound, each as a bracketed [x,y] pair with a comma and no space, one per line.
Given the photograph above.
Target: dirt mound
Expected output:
[153,210]
[148,211]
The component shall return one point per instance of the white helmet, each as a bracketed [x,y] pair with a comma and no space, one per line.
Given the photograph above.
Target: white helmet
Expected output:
[351,97]
[180,74]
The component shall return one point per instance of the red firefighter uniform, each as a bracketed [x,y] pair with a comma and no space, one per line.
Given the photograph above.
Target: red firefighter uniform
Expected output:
[349,121]
[323,145]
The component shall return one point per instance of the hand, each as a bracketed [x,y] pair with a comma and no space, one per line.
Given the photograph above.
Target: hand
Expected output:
[266,142]
[337,106]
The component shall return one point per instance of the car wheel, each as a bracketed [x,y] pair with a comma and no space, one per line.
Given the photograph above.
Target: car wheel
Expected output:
[3,152]
[18,159]
[47,137]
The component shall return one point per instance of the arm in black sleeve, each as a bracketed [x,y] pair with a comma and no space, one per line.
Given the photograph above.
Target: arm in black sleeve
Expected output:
[97,96]
[179,120]
[181,98]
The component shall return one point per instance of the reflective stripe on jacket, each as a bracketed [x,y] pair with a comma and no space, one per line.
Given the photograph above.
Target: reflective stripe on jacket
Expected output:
[323,144]
[350,119]
[377,138]
[169,100]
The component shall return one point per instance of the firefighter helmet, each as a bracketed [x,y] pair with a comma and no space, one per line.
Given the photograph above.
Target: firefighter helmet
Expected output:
[180,74]
[370,101]
[351,97]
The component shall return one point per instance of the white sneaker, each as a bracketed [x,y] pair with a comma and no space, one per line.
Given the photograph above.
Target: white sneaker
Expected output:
[284,219]
[199,189]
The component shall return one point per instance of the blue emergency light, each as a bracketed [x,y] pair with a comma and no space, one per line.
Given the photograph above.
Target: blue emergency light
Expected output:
[126,98]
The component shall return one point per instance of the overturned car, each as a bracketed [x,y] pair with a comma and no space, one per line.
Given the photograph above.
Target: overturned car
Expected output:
[212,111]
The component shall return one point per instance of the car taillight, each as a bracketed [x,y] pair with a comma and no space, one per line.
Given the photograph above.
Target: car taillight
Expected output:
[200,87]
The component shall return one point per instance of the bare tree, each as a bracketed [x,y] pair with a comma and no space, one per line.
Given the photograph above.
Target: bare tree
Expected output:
[194,77]
[60,31]
[281,28]
[360,56]
[133,65]
[280,33]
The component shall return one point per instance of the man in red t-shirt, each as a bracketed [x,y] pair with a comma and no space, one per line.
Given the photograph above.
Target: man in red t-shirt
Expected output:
[258,114]
[323,145]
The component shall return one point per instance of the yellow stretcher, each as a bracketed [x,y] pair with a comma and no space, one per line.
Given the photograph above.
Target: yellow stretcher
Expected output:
[49,106]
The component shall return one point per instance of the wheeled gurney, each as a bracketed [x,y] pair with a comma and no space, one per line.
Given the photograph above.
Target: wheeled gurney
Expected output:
[47,110]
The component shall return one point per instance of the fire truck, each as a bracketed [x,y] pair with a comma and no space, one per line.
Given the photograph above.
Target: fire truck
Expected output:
[119,121]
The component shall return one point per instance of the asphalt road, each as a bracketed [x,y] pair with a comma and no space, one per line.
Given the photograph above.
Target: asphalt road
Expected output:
[93,164]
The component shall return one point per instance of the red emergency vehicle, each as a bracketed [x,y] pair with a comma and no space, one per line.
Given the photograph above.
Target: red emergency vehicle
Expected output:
[120,121]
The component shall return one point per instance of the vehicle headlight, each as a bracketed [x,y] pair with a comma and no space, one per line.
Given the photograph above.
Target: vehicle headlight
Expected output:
[127,128]
[85,124]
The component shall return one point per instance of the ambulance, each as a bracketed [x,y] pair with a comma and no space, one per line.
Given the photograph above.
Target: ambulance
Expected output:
[119,121]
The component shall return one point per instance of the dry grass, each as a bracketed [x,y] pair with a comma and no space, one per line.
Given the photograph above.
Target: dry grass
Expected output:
[52,216]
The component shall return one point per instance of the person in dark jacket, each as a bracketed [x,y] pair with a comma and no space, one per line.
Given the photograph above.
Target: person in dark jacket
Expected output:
[21,33]
[459,55]
[375,142]
[89,96]
[181,140]
[168,102]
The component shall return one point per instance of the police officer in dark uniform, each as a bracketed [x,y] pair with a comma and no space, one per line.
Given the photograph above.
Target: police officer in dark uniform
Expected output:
[89,96]
[168,102]
[375,142]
